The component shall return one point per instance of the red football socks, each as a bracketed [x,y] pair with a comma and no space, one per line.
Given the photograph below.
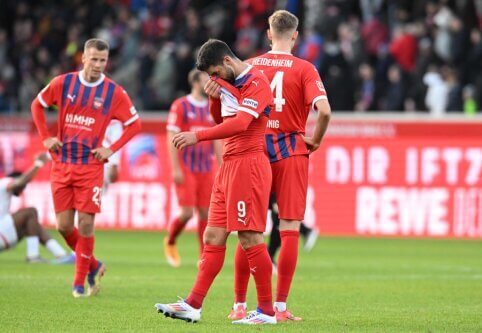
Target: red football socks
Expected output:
[241,274]
[174,230]
[286,263]
[71,241]
[260,267]
[72,238]
[83,254]
[200,234]
[210,265]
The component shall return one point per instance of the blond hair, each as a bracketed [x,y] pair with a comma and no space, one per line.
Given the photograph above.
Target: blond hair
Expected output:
[97,43]
[282,22]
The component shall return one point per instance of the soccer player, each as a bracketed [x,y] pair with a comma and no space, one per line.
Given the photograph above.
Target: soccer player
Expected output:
[192,169]
[240,195]
[87,101]
[24,222]
[297,89]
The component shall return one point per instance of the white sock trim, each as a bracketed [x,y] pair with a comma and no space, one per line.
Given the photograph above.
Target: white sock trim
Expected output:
[54,247]
[280,306]
[32,246]
[244,305]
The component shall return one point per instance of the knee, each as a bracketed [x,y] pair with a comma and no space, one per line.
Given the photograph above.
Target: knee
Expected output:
[32,213]
[289,225]
[186,214]
[249,239]
[211,237]
[203,214]
[65,230]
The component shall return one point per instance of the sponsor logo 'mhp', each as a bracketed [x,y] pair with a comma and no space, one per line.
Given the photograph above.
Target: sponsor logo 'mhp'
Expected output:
[79,120]
[250,102]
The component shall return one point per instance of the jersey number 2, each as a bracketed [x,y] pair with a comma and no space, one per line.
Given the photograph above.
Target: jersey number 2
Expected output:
[96,196]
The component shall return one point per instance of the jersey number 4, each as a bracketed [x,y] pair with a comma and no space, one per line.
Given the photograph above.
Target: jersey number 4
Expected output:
[277,87]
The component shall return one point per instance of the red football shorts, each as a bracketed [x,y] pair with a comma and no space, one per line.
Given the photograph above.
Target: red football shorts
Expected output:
[290,184]
[240,196]
[77,186]
[196,189]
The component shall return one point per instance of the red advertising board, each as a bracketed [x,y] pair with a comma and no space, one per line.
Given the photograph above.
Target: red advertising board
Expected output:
[375,178]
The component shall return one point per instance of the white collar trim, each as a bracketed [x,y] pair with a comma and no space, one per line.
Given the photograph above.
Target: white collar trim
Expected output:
[280,52]
[195,102]
[243,73]
[90,84]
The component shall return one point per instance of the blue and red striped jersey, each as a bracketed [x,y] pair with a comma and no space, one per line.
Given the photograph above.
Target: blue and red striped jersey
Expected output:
[296,87]
[188,114]
[85,110]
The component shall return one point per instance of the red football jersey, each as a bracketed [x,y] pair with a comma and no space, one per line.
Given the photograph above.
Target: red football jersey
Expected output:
[84,111]
[296,87]
[187,114]
[254,97]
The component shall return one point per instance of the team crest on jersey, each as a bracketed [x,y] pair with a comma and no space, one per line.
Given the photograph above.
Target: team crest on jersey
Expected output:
[320,86]
[98,102]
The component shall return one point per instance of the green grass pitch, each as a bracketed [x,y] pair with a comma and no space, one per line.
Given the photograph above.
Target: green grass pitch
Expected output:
[343,285]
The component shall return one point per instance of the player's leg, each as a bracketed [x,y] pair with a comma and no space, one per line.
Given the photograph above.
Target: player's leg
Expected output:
[241,280]
[201,227]
[34,227]
[310,236]
[27,226]
[204,185]
[291,183]
[241,265]
[274,237]
[186,198]
[257,256]
[211,262]
[11,232]
[87,187]
[176,227]
[210,265]
[247,205]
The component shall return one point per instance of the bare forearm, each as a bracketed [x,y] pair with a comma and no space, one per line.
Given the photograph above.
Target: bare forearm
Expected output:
[26,177]
[218,151]
[322,120]
[173,152]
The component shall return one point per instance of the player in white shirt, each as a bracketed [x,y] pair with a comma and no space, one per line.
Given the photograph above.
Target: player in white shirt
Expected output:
[111,168]
[24,222]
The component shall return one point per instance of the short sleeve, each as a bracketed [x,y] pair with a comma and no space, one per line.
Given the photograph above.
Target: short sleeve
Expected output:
[124,110]
[256,97]
[5,183]
[51,94]
[174,119]
[314,88]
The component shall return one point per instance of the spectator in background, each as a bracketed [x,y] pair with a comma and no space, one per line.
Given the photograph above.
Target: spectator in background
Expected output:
[454,91]
[39,39]
[366,93]
[395,91]
[436,99]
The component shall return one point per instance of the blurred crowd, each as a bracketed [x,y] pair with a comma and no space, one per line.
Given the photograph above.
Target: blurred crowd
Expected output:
[373,55]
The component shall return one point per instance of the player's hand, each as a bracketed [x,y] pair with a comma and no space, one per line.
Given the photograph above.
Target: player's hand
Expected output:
[177,176]
[102,153]
[42,157]
[184,139]
[52,144]
[212,88]
[310,144]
